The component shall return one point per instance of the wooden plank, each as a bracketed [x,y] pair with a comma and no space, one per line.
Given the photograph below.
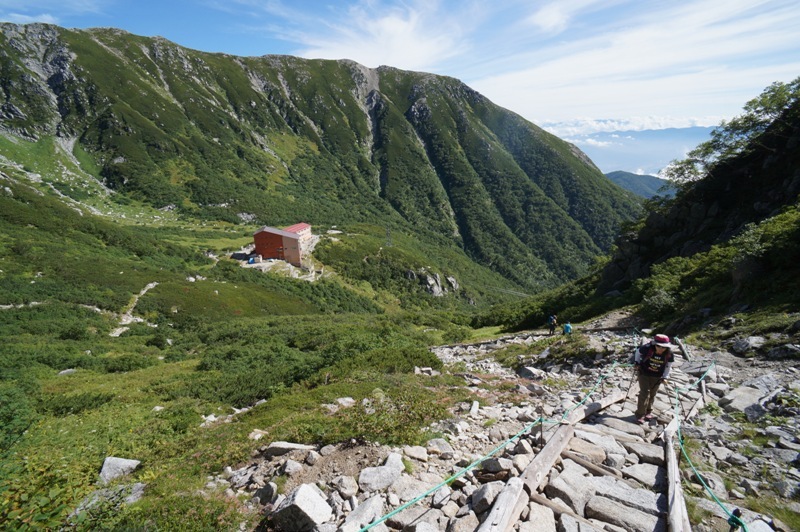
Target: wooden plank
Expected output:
[678,515]
[558,509]
[535,475]
[587,410]
[507,507]
[683,348]
[700,403]
[504,514]
[594,468]
[512,499]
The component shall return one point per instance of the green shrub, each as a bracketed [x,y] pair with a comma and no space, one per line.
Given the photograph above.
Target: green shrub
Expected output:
[63,405]
[192,513]
[75,331]
[658,304]
[387,360]
[16,413]
[128,362]
[456,334]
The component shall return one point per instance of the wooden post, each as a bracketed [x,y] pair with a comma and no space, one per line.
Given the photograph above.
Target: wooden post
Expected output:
[678,515]
[535,475]
[683,348]
[511,501]
[700,403]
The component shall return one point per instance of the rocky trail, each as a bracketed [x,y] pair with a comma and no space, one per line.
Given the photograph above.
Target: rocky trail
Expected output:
[568,457]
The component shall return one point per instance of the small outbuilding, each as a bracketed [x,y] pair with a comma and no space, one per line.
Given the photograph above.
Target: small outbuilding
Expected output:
[283,244]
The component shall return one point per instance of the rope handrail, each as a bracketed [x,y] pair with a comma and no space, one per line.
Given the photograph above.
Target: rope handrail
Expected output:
[731,517]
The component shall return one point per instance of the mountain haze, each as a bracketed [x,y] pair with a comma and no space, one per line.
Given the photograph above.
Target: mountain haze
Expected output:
[277,139]
[645,185]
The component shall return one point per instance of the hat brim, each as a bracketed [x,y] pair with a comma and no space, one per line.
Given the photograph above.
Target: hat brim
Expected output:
[665,345]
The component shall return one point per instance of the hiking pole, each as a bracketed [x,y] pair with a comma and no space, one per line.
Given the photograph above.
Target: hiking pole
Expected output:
[630,385]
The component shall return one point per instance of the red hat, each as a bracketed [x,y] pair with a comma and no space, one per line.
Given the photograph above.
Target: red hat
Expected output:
[662,340]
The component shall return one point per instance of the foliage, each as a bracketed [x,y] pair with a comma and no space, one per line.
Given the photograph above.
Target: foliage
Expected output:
[573,301]
[16,413]
[394,418]
[737,136]
[73,404]
[776,508]
[752,268]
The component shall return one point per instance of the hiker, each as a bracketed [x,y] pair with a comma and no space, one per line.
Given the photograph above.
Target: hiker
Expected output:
[653,361]
[552,321]
[567,328]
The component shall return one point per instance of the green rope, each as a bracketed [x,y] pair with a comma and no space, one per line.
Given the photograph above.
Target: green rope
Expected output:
[731,517]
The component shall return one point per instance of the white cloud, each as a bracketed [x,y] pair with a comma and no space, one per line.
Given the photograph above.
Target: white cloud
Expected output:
[19,18]
[556,15]
[412,35]
[688,59]
[409,38]
[590,142]
[587,126]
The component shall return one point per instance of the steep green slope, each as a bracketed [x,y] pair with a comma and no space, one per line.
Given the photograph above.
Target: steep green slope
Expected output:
[277,139]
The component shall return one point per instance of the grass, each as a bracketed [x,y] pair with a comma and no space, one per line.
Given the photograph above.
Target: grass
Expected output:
[775,508]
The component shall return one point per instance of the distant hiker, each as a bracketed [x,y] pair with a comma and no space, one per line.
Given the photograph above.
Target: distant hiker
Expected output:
[567,328]
[653,361]
[552,321]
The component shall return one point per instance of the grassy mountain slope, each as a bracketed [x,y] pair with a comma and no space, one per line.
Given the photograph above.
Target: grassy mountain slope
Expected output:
[279,139]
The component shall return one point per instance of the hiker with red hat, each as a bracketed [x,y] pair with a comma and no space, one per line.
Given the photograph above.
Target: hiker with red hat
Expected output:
[653,361]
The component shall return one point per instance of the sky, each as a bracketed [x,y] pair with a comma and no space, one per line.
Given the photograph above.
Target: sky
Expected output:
[578,68]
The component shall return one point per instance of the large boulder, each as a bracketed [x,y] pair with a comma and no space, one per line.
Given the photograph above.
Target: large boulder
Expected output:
[278,448]
[651,476]
[381,477]
[302,510]
[114,467]
[623,516]
[739,399]
[364,514]
[571,486]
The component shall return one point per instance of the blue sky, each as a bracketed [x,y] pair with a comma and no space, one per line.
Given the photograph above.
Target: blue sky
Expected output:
[575,67]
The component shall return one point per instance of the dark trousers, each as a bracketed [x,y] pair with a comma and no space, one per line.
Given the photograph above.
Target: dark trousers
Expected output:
[648,388]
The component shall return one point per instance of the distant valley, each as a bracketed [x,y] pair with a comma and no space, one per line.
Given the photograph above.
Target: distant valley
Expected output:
[646,186]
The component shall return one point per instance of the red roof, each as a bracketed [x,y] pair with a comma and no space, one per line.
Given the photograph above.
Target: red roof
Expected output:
[296,228]
[274,231]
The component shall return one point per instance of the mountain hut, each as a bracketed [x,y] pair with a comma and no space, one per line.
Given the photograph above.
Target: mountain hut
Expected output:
[283,244]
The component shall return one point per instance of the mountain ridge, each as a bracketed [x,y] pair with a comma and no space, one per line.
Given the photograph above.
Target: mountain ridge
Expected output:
[277,138]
